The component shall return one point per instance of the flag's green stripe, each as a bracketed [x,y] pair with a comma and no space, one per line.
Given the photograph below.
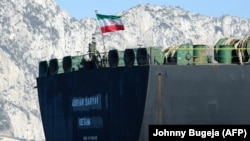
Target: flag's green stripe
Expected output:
[100,16]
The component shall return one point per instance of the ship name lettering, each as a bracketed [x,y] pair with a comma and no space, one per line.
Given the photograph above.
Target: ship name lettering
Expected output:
[88,101]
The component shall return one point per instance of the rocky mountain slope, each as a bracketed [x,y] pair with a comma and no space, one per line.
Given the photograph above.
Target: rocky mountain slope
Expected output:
[36,30]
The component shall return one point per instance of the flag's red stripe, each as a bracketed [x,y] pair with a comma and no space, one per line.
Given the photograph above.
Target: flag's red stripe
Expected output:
[112,28]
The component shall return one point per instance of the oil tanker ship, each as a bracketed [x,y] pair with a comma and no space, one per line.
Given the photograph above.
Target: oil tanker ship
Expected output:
[117,95]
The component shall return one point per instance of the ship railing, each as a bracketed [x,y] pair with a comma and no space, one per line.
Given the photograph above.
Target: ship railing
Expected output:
[114,58]
[227,51]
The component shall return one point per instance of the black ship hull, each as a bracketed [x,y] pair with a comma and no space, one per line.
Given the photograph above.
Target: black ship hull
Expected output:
[111,104]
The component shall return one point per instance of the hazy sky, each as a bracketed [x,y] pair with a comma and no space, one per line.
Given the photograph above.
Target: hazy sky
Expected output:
[215,8]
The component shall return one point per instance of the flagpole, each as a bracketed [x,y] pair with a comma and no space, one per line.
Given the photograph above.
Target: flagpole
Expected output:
[96,12]
[104,57]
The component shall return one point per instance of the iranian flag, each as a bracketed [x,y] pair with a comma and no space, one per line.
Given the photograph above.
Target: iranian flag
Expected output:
[110,23]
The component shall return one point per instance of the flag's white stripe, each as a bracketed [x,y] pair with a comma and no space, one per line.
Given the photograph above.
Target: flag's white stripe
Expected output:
[107,22]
